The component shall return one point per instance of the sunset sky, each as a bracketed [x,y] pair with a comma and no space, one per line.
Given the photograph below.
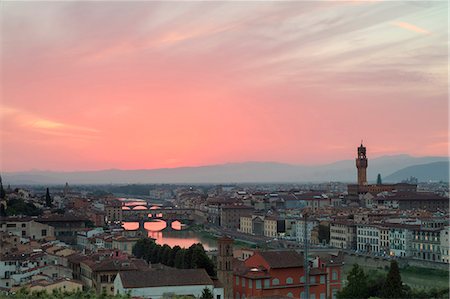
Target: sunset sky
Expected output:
[99,85]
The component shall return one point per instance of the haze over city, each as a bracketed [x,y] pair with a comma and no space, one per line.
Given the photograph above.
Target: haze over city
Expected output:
[142,85]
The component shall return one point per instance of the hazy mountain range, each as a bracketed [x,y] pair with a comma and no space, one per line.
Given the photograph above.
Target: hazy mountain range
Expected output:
[392,168]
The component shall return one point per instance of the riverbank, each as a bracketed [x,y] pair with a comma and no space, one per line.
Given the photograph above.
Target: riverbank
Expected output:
[214,235]
[416,278]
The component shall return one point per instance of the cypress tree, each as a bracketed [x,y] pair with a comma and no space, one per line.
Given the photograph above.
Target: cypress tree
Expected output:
[393,287]
[379,182]
[357,286]
[48,199]
[2,191]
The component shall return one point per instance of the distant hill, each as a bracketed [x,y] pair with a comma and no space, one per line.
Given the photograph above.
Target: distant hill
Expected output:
[258,172]
[436,171]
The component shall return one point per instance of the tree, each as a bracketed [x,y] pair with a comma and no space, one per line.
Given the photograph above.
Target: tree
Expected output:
[179,259]
[206,294]
[379,182]
[393,287]
[324,233]
[2,210]
[357,286]
[2,191]
[48,199]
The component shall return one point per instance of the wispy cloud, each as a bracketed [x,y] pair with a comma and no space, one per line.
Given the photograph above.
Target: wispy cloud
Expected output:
[17,118]
[411,27]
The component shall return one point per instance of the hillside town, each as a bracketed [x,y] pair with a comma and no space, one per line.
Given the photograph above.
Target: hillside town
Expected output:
[273,241]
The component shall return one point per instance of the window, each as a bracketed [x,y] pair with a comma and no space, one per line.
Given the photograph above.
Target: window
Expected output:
[335,275]
[312,279]
[312,296]
[289,280]
[243,281]
[302,295]
[23,225]
[334,293]
[258,284]
[302,279]
[266,283]
[322,295]
[290,294]
[44,232]
[275,281]
[218,297]
[250,284]
[237,280]
[322,279]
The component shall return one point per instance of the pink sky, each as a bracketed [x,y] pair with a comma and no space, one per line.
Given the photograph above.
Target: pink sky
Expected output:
[150,84]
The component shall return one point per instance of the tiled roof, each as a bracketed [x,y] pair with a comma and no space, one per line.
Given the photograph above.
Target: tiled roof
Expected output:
[282,259]
[165,277]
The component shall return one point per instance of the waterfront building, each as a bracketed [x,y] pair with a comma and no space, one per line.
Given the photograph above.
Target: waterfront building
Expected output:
[445,244]
[343,234]
[368,238]
[113,211]
[426,244]
[230,215]
[300,229]
[400,237]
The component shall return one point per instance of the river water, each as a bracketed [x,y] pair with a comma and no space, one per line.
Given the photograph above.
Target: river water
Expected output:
[157,229]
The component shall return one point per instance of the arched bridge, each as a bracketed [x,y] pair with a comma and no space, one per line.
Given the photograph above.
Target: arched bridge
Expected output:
[159,213]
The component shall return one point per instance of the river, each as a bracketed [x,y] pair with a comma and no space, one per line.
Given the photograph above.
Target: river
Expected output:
[157,228]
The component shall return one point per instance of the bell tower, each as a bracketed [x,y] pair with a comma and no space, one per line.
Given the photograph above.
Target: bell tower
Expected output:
[225,265]
[361,165]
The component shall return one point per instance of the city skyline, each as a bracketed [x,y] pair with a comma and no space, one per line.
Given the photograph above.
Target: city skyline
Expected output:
[149,85]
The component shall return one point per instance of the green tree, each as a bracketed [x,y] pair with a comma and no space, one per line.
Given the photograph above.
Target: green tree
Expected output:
[173,254]
[2,210]
[179,259]
[48,199]
[2,191]
[206,294]
[393,287]
[324,233]
[379,182]
[17,206]
[357,287]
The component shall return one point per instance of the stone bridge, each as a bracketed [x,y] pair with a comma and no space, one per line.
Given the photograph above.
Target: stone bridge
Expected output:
[168,214]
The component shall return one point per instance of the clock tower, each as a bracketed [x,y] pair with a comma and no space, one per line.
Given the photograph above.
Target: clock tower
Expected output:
[361,165]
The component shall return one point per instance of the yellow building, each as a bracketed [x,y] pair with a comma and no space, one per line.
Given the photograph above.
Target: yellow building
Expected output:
[270,227]
[246,225]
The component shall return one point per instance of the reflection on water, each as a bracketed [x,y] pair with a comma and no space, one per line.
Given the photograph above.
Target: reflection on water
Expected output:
[140,208]
[177,236]
[155,225]
[130,225]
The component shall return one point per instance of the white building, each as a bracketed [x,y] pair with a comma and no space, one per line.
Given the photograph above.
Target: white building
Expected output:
[400,241]
[368,238]
[445,244]
[165,283]
[300,229]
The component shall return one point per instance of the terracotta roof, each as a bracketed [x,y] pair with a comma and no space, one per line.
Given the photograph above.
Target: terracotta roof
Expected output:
[282,259]
[165,277]
[117,265]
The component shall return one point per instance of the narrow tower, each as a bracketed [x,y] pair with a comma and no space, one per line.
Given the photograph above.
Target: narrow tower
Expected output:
[361,165]
[225,265]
